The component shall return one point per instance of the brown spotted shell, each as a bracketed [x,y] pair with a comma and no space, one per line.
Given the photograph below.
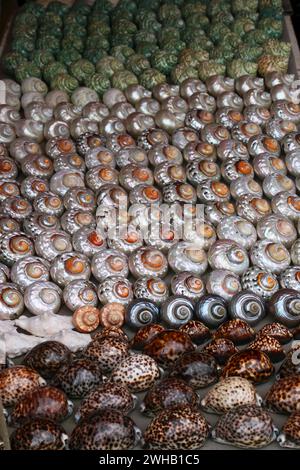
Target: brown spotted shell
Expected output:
[277,331]
[197,331]
[111,331]
[197,368]
[221,349]
[252,364]
[167,346]
[144,335]
[46,358]
[16,382]
[270,346]
[137,372]
[107,352]
[291,364]
[290,433]
[236,330]
[284,395]
[39,434]
[86,319]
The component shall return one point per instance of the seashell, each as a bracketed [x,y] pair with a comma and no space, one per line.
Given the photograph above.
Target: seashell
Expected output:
[177,311]
[262,144]
[230,99]
[17,344]
[115,289]
[270,346]
[108,352]
[127,437]
[7,224]
[54,97]
[16,207]
[199,151]
[112,315]
[130,155]
[286,110]
[4,273]
[245,185]
[137,123]
[141,312]
[137,372]
[167,346]
[56,128]
[199,171]
[42,297]
[179,192]
[69,267]
[86,318]
[119,141]
[197,119]
[39,434]
[64,180]
[112,97]
[238,229]
[229,394]
[202,102]
[122,110]
[252,365]
[289,278]
[289,435]
[16,382]
[245,83]
[51,244]
[145,334]
[136,93]
[11,301]
[247,427]
[99,156]
[197,368]
[28,270]
[168,121]
[38,111]
[278,229]
[72,339]
[79,198]
[66,112]
[244,130]
[37,223]
[247,306]
[15,246]
[228,255]
[111,195]
[100,175]
[232,149]
[80,126]
[88,241]
[221,349]
[214,134]
[70,161]
[48,203]
[152,288]
[95,111]
[269,256]
[47,357]
[257,97]
[45,324]
[78,377]
[283,396]
[167,173]
[168,393]
[111,331]
[89,141]
[236,330]
[80,293]
[8,168]
[277,78]
[8,188]
[164,433]
[284,307]
[276,330]
[188,285]
[132,175]
[109,262]
[212,191]
[291,142]
[260,116]
[104,397]
[211,310]
[278,128]
[187,88]
[185,256]
[216,211]
[148,262]
[83,96]
[217,84]
[59,145]
[262,283]
[228,116]
[44,402]
[112,125]
[265,165]
[286,204]
[252,208]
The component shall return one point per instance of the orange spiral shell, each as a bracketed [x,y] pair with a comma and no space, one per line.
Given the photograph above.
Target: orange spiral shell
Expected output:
[112,314]
[86,319]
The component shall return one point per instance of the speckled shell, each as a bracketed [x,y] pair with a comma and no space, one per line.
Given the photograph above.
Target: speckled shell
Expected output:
[289,278]
[228,394]
[197,368]
[252,364]
[37,223]
[132,175]
[78,377]
[8,224]
[289,436]
[167,346]
[44,402]
[283,396]
[187,284]
[106,396]
[236,330]
[279,128]
[290,365]
[58,145]
[16,382]
[39,434]
[196,330]
[200,151]
[278,331]
[46,358]
[164,432]
[270,346]
[131,155]
[221,349]
[152,288]
[105,430]
[247,426]
[88,241]
[107,353]
[260,282]
[137,372]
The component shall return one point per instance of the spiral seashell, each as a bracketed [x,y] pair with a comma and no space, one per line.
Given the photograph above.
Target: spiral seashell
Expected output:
[69,267]
[263,144]
[79,198]
[284,306]
[223,282]
[292,160]
[166,173]
[112,97]
[11,301]
[55,128]
[80,293]
[168,121]
[148,261]
[260,282]
[212,191]
[184,136]
[277,229]
[86,319]
[112,315]
[38,112]
[122,110]
[132,175]
[59,145]
[137,123]
[259,115]
[151,288]
[148,106]
[286,205]
[277,78]
[232,149]
[177,311]
[64,180]
[270,256]
[291,142]
[247,306]
[4,273]
[286,110]
[247,82]
[244,130]
[48,203]
[187,285]
[14,246]
[37,223]
[228,116]
[214,134]
[42,297]
[290,277]
[278,128]
[88,241]
[232,169]
[252,208]
[136,93]
[16,207]
[88,141]
[81,126]
[188,87]
[215,212]
[199,171]
[8,189]
[141,312]
[227,254]
[54,97]
[12,87]
[211,310]
[101,175]
[28,270]
[31,97]
[115,289]
[7,133]
[186,256]
[202,102]
[51,244]
[9,114]
[199,151]
[163,154]
[73,220]
[37,165]
[257,97]
[238,229]
[99,156]
[276,183]
[197,119]
[34,84]
[119,141]
[83,96]
[265,164]
[109,262]
[230,99]
[95,111]
[66,112]
[217,84]
[144,194]
[32,186]
[21,147]
[245,185]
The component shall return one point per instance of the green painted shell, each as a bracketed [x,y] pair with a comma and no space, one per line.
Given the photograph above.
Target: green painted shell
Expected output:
[75,29]
[147,49]
[182,72]
[121,14]
[215,6]
[73,18]
[123,25]
[41,57]
[198,20]
[241,5]
[53,69]
[99,27]
[109,65]
[221,55]
[241,26]
[270,3]
[230,41]
[207,68]
[168,34]
[191,58]
[122,39]
[272,27]
[97,42]
[73,41]
[163,61]
[250,15]
[123,79]
[81,69]
[276,47]
[151,77]
[103,6]
[23,31]
[98,82]
[24,46]
[174,46]
[217,31]
[224,17]
[137,63]
[143,13]
[256,37]
[190,8]
[198,45]
[149,23]
[64,82]
[27,70]
[237,67]
[68,56]
[53,30]
[248,53]
[271,63]
[49,43]
[33,8]
[94,55]
[58,8]
[51,18]
[121,52]
[143,35]
[26,18]
[166,11]
[175,23]
[81,9]
[11,61]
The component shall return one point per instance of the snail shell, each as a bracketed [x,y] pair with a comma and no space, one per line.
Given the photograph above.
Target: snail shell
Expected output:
[284,306]
[15,246]
[151,137]
[199,151]
[168,121]
[177,311]
[238,229]
[112,315]
[70,161]
[7,225]
[38,111]
[69,267]
[141,312]
[291,142]
[245,185]
[127,242]
[165,90]
[290,277]
[33,186]
[247,306]
[111,195]
[80,293]
[42,297]
[66,112]
[132,175]
[115,289]
[118,141]
[4,273]
[263,144]
[112,97]
[244,130]
[183,137]
[59,145]
[79,198]
[148,262]
[275,183]
[145,194]
[37,223]
[88,241]
[197,119]
[228,116]
[260,282]
[259,115]
[99,156]
[73,220]
[252,208]
[83,95]
[109,262]
[86,319]
[270,256]
[277,228]
[100,175]
[137,123]
[217,84]
[8,168]
[289,435]
[188,285]
[51,244]
[55,128]
[265,165]
[292,160]
[136,93]
[8,188]
[279,128]
[277,78]
[232,169]
[9,114]
[214,134]
[95,111]
[11,301]
[148,106]
[64,180]
[48,203]
[131,155]
[186,256]
[112,125]
[286,110]
[230,99]
[199,171]
[16,207]
[247,82]
[54,97]
[283,395]
[257,97]
[88,141]
[202,102]
[28,270]
[212,191]
[216,211]
[232,149]
[151,288]
[223,282]
[287,205]
[81,126]
[122,110]
[227,254]
[166,173]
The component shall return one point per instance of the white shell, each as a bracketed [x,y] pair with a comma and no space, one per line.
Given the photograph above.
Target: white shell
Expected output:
[60,273]
[45,325]
[51,244]
[238,229]
[80,293]
[72,339]
[262,255]
[186,256]
[42,297]
[17,344]
[227,254]
[277,228]
[224,283]
[28,270]
[11,301]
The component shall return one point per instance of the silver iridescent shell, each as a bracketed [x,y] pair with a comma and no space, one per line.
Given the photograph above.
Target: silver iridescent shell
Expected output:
[69,267]
[227,254]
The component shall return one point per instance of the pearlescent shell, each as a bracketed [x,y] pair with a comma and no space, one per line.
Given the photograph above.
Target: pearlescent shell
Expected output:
[42,297]
[269,256]
[261,282]
[16,382]
[226,254]
[248,306]
[185,256]
[69,267]
[39,434]
[223,282]
[51,244]
[148,262]
[28,270]
[278,229]
[238,229]
[283,396]
[252,364]
[115,289]
[284,306]
[187,284]
[137,372]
